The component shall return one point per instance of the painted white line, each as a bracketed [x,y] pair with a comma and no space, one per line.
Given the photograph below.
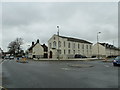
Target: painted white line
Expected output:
[2,61]
[2,88]
[65,68]
[106,66]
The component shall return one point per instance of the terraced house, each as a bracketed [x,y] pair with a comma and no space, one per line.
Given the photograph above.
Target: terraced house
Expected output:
[68,47]
[37,51]
[105,50]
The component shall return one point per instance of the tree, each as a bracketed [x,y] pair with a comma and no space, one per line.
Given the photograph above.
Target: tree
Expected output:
[15,46]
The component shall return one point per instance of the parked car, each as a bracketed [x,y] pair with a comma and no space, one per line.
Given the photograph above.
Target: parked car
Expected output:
[93,57]
[6,57]
[11,57]
[116,61]
[79,56]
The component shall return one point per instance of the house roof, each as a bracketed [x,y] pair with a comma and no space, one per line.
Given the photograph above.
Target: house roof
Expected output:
[106,45]
[75,39]
[31,47]
[44,46]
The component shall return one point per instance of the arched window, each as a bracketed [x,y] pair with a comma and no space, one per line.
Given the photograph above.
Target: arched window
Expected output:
[54,44]
[59,44]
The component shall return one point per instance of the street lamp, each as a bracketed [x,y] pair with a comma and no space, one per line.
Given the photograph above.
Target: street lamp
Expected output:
[58,42]
[98,43]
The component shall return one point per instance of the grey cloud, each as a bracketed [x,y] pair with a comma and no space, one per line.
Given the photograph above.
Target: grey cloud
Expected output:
[39,20]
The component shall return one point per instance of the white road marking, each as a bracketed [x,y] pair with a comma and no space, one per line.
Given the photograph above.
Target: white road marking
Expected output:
[106,66]
[65,68]
[3,88]
[1,61]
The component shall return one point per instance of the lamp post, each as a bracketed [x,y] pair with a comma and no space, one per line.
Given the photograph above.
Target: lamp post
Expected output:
[58,42]
[98,43]
[113,49]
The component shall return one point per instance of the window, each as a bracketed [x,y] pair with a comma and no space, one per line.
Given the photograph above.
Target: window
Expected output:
[87,51]
[90,47]
[68,45]
[64,51]
[73,45]
[78,45]
[64,43]
[73,51]
[78,51]
[86,46]
[54,44]
[60,52]
[50,45]
[83,51]
[83,46]
[54,38]
[59,44]
[68,51]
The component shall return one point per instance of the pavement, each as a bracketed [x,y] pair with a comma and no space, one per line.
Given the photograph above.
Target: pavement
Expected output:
[72,59]
[59,74]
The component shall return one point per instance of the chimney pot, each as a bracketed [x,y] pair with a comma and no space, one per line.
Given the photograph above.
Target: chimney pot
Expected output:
[32,43]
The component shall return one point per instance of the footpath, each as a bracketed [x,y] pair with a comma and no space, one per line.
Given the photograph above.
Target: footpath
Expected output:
[72,59]
[0,72]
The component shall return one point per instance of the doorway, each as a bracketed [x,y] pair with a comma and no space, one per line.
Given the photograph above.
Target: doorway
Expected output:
[50,54]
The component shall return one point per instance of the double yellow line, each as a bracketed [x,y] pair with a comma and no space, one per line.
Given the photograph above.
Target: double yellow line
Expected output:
[2,88]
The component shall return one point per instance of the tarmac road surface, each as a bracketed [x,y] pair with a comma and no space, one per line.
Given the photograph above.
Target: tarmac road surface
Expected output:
[59,74]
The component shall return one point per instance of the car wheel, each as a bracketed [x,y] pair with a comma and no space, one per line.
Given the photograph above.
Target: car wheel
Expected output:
[114,64]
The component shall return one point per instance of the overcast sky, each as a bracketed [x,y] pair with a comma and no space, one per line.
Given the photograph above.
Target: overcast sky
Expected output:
[38,20]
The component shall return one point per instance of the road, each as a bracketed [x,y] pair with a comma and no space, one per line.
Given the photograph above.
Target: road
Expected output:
[0,72]
[59,74]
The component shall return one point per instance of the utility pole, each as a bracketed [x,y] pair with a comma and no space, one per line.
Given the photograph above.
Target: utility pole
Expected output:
[98,43]
[58,43]
[113,49]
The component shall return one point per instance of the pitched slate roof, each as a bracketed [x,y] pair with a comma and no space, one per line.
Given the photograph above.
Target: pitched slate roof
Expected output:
[31,47]
[75,40]
[106,45]
[44,47]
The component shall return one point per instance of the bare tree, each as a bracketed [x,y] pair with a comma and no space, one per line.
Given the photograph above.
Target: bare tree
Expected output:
[15,46]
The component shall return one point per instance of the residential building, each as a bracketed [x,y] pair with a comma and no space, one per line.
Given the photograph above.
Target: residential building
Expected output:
[38,51]
[66,47]
[105,50]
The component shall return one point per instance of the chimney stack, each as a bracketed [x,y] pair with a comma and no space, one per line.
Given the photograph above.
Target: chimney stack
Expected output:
[32,43]
[37,40]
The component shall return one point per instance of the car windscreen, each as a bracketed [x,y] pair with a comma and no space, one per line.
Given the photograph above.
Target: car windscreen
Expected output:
[117,58]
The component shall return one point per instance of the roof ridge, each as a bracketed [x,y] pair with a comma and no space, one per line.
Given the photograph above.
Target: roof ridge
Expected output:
[75,39]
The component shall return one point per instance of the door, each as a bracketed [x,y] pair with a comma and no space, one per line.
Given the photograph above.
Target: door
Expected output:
[50,54]
[45,55]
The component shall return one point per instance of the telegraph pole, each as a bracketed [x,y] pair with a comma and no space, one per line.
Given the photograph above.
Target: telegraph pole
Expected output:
[98,43]
[58,42]
[113,49]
